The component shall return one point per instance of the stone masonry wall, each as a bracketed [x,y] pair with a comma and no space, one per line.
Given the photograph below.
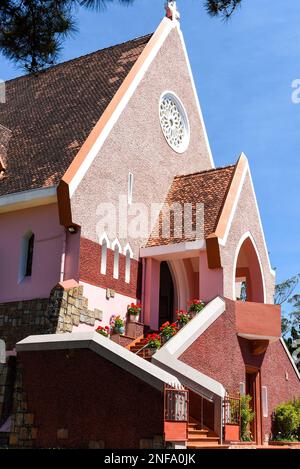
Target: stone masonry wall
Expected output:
[65,308]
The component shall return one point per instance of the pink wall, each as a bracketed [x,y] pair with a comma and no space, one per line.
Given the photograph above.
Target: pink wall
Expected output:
[210,280]
[72,256]
[44,223]
[97,300]
[151,296]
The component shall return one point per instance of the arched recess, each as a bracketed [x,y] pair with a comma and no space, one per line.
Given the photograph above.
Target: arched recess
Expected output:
[181,283]
[248,272]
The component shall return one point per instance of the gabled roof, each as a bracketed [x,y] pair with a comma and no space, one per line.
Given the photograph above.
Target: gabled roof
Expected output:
[207,187]
[51,114]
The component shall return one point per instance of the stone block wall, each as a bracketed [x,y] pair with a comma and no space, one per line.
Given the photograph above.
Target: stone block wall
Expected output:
[66,307]
[23,432]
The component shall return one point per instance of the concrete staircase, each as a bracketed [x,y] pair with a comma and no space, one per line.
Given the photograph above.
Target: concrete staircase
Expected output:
[137,348]
[201,437]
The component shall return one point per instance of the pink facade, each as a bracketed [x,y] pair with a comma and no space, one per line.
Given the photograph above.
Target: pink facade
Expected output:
[48,248]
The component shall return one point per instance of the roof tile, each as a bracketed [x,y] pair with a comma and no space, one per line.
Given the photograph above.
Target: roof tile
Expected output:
[52,113]
[208,188]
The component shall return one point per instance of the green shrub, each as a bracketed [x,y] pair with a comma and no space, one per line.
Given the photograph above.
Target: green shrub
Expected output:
[286,421]
[247,416]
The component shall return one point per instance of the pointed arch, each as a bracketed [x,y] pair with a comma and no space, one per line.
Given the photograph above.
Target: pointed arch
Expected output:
[128,256]
[247,268]
[116,247]
[105,244]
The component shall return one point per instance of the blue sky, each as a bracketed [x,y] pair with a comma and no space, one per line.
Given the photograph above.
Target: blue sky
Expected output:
[243,70]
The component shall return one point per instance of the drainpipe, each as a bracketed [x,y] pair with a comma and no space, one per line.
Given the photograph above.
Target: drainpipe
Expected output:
[63,257]
[143,287]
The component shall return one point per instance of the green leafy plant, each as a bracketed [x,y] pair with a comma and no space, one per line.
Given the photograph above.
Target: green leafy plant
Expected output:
[153,341]
[196,305]
[103,330]
[133,309]
[247,416]
[286,421]
[168,330]
[183,317]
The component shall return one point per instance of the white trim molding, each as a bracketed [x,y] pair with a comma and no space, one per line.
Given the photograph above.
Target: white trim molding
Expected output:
[196,97]
[146,58]
[290,357]
[237,251]
[168,357]
[102,346]
[102,237]
[179,250]
[27,199]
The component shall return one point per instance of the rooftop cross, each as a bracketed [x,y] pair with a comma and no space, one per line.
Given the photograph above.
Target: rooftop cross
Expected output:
[171,10]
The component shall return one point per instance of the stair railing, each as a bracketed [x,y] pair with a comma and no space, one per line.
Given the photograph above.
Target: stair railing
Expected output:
[145,347]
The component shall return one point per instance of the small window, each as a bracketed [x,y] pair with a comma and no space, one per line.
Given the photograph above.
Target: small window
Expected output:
[116,248]
[264,398]
[128,255]
[26,259]
[30,247]
[103,256]
[130,188]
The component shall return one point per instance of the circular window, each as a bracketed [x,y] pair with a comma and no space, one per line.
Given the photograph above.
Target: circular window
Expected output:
[174,122]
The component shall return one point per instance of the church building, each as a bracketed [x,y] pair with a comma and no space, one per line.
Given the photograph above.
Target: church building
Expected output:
[118,232]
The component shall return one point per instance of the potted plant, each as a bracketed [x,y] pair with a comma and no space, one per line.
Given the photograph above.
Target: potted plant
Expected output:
[183,318]
[168,330]
[103,330]
[134,312]
[195,306]
[247,416]
[117,325]
[153,342]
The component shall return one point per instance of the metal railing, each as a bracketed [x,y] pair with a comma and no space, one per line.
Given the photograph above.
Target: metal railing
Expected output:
[145,347]
[176,404]
[231,410]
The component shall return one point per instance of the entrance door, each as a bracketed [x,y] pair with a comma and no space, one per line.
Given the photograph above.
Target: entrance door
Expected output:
[253,389]
[166,294]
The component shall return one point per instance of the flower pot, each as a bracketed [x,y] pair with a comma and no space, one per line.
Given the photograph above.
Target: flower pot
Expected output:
[133,317]
[119,330]
[165,338]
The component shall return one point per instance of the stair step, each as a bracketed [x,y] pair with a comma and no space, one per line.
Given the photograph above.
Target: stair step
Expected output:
[206,446]
[198,430]
[203,438]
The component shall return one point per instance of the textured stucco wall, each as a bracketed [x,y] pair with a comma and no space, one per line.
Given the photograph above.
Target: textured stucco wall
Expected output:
[222,355]
[245,219]
[136,144]
[89,397]
[109,306]
[44,223]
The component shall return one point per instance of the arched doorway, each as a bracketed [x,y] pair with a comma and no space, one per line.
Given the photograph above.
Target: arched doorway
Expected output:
[248,281]
[166,294]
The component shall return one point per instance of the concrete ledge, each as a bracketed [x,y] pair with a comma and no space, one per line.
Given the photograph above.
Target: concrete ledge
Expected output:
[115,353]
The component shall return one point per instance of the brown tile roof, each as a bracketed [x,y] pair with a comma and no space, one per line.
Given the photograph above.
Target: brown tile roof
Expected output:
[52,113]
[207,187]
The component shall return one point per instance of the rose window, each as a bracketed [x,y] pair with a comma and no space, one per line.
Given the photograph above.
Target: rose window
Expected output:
[174,122]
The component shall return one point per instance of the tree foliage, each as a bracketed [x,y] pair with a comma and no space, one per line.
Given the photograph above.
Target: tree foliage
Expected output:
[290,324]
[32,31]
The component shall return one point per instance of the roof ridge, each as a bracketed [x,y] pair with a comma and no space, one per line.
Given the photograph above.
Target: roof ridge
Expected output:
[220,168]
[75,59]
